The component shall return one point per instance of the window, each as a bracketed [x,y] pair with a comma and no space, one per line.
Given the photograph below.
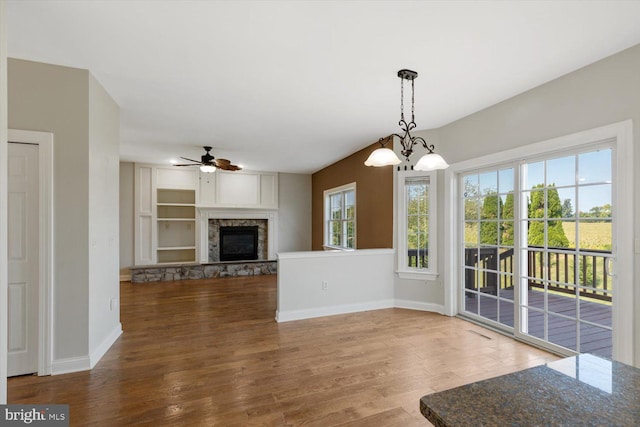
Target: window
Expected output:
[340,217]
[416,225]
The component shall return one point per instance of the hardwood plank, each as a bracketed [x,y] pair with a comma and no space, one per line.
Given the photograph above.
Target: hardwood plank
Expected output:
[208,352]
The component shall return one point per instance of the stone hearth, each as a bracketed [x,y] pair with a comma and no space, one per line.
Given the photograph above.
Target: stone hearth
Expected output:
[267,221]
[202,271]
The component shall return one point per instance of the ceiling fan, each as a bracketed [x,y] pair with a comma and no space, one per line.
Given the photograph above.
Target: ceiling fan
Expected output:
[208,163]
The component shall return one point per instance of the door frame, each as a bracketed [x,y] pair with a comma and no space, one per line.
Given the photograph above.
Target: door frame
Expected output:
[622,132]
[44,141]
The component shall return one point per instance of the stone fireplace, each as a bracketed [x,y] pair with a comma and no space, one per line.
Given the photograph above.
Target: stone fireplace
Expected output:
[234,228]
[211,219]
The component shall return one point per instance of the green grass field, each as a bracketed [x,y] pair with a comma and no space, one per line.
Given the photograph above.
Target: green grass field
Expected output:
[593,235]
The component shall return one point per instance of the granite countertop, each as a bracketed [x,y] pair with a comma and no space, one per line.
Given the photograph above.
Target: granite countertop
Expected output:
[582,390]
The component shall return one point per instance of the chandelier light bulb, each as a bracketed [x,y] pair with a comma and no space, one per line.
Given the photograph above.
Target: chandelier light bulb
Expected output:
[431,162]
[382,157]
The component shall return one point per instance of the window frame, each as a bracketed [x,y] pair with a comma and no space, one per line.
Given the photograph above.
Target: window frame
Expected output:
[327,216]
[403,270]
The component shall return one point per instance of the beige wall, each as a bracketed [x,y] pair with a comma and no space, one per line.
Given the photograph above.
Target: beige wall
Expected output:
[431,292]
[55,99]
[374,199]
[3,204]
[104,268]
[126,215]
[69,103]
[294,213]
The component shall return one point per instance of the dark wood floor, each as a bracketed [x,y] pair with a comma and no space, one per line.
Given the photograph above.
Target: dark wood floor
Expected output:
[208,353]
[562,331]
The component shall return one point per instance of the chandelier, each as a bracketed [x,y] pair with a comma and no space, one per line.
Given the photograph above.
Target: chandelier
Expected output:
[385,156]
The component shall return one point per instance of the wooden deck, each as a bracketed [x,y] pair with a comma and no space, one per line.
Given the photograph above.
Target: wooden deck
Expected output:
[562,331]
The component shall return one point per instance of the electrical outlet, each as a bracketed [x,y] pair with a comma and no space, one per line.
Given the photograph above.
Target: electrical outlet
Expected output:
[325,285]
[113,304]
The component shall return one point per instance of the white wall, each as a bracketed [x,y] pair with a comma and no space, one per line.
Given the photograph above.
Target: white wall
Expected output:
[104,276]
[126,215]
[602,93]
[355,281]
[294,213]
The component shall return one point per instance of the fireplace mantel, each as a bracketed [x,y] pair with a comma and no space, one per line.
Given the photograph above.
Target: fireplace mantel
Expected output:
[205,214]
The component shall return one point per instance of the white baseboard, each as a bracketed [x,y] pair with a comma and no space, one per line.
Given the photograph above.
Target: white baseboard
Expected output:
[85,363]
[71,364]
[287,316]
[416,305]
[105,345]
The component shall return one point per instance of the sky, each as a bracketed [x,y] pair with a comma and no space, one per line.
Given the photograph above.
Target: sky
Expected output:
[583,178]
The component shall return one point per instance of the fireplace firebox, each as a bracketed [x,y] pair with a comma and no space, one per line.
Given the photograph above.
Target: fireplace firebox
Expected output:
[238,243]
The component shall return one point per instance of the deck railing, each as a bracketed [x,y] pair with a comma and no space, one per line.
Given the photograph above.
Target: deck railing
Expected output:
[415,255]
[560,270]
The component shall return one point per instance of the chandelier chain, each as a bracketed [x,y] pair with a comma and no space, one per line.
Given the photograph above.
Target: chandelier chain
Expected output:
[413,119]
[402,100]
[384,156]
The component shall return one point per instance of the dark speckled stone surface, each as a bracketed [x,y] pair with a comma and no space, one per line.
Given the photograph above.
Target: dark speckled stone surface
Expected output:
[577,391]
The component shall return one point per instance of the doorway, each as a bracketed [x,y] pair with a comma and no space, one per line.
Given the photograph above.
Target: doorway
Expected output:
[539,234]
[543,242]
[23,258]
[30,232]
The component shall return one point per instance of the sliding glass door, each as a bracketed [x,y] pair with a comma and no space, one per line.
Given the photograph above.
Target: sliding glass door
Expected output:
[488,230]
[537,257]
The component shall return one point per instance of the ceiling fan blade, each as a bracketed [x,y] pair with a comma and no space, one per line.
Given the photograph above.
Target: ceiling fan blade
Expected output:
[188,164]
[191,160]
[226,165]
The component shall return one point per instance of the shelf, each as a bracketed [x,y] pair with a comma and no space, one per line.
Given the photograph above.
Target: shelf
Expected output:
[175,248]
[177,219]
[176,233]
[169,211]
[176,255]
[176,204]
[180,197]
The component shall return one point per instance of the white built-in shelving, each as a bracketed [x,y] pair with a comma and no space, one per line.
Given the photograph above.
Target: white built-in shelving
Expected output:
[176,222]
[168,201]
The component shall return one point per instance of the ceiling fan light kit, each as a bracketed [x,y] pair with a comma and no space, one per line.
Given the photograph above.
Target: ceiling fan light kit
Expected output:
[209,164]
[385,156]
[207,168]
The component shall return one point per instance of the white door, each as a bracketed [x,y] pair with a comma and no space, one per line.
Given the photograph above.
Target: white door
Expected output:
[23,259]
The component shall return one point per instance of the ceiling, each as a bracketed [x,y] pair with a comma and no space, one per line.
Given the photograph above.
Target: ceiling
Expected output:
[293,86]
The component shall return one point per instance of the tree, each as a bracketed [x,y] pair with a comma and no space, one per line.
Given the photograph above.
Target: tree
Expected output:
[470,200]
[507,215]
[418,215]
[555,233]
[567,209]
[489,219]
